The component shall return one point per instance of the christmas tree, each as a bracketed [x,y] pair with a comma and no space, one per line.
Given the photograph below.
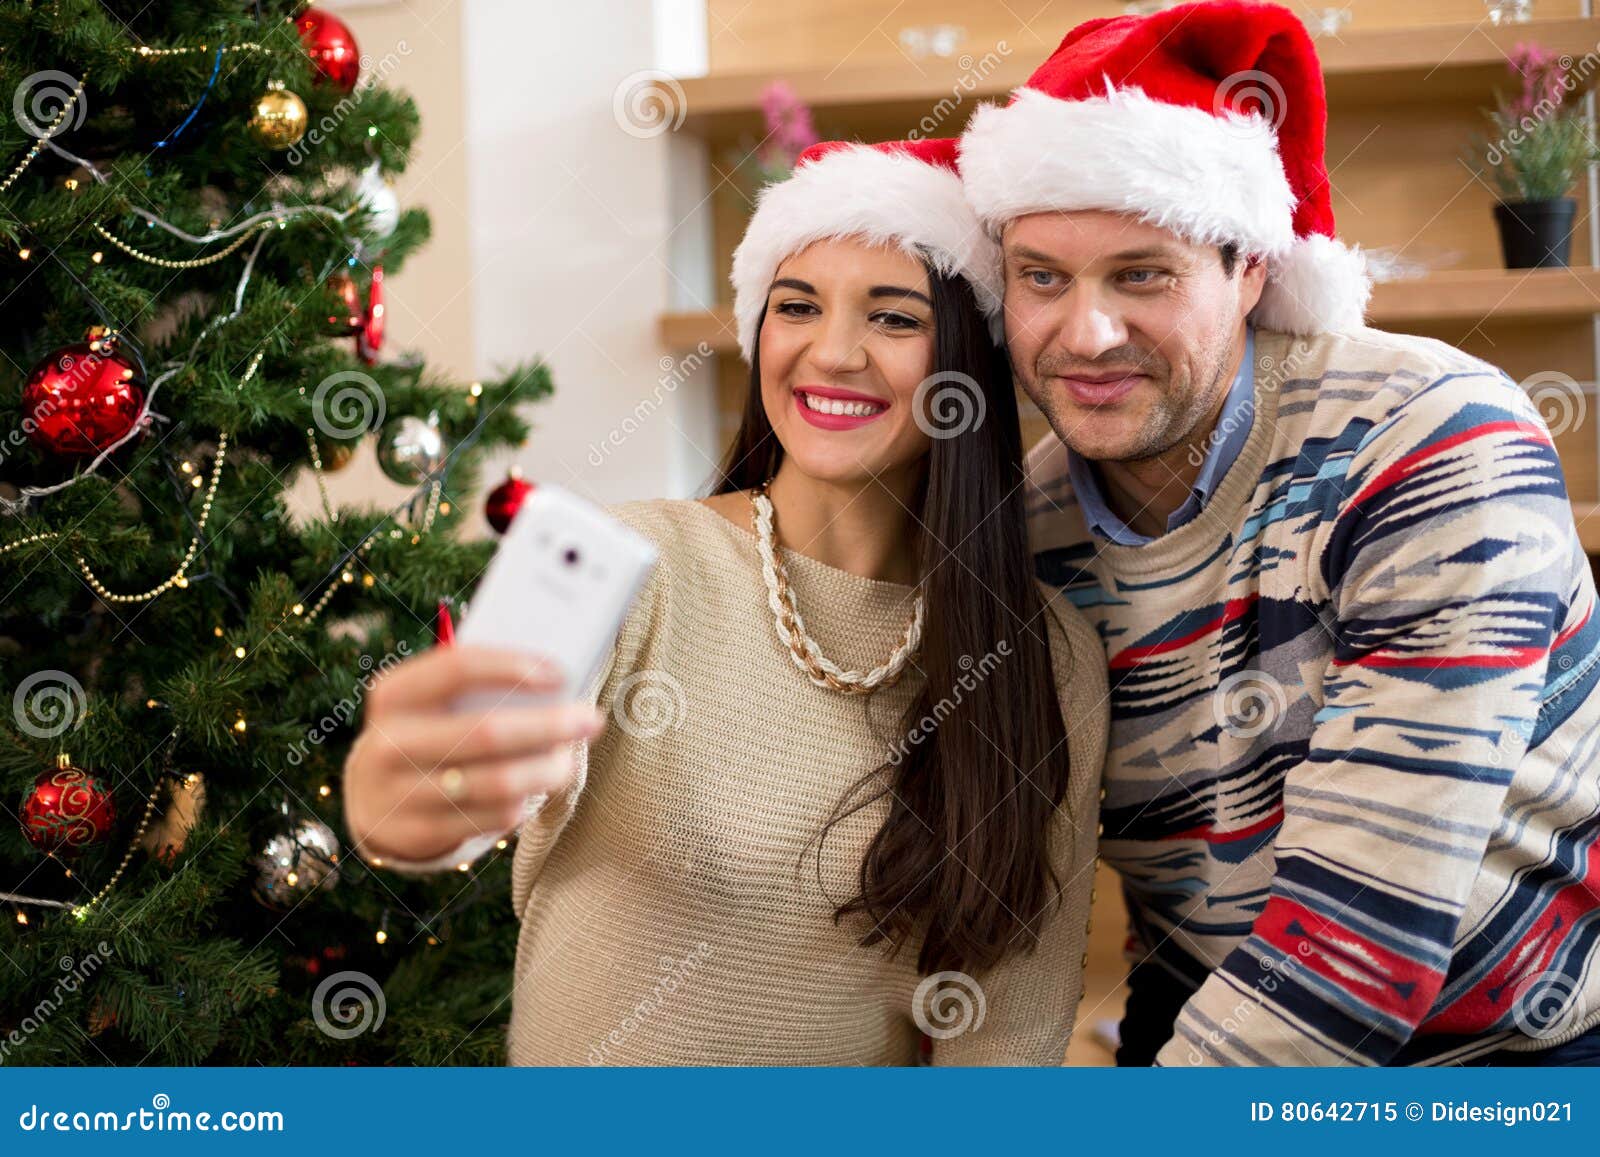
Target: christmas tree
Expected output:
[195,220]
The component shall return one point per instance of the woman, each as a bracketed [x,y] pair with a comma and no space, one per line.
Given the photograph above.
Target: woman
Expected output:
[850,786]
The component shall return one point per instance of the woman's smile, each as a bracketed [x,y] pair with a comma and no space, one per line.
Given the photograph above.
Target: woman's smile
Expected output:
[831,408]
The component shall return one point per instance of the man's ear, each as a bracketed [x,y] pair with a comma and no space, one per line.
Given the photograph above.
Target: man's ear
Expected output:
[1252,283]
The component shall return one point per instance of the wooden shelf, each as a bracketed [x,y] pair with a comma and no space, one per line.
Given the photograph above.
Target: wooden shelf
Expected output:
[1447,60]
[1486,294]
[685,331]
[1472,295]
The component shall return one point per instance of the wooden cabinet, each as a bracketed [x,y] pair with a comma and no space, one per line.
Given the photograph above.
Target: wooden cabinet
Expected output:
[1407,87]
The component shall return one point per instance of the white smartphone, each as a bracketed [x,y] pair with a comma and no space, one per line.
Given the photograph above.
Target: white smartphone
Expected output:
[560,587]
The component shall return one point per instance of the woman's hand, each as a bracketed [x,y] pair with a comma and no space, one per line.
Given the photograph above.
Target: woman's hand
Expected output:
[420,779]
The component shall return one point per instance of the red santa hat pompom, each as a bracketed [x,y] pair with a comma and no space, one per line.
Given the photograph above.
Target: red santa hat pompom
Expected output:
[902,193]
[1207,119]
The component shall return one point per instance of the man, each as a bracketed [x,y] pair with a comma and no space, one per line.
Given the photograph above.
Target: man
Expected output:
[1354,776]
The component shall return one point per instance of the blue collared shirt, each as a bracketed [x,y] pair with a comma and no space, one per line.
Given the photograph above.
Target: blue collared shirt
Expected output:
[1228,438]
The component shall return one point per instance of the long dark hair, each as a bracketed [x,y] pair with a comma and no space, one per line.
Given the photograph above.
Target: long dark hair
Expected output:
[963,853]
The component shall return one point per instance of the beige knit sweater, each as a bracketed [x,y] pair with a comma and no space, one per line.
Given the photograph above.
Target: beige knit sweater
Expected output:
[665,916]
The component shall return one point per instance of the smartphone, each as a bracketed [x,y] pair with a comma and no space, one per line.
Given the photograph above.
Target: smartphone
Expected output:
[559,587]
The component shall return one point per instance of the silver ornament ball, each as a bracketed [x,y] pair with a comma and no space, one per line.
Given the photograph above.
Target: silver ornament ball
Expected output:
[375,195]
[296,863]
[411,449]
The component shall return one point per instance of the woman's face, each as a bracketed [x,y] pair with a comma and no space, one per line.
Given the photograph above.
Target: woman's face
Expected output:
[846,340]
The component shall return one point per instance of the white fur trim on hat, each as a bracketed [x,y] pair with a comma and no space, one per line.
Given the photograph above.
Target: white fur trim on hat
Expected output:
[884,197]
[1320,286]
[1208,177]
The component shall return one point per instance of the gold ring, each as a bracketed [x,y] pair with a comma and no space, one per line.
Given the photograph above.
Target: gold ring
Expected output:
[453,783]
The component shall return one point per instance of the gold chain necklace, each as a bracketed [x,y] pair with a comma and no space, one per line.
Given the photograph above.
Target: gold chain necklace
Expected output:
[792,628]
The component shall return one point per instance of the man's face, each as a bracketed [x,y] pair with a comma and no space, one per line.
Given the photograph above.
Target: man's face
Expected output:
[1120,332]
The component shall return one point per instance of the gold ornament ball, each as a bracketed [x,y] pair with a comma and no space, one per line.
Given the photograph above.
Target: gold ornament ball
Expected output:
[279,118]
[335,455]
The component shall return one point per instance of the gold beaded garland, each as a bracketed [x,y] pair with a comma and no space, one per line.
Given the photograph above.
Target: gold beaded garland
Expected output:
[147,51]
[50,131]
[191,263]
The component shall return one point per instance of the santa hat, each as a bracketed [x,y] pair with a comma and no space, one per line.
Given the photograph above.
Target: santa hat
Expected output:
[1208,120]
[902,193]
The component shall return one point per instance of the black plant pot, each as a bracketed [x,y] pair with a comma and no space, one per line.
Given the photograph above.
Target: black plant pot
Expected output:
[1536,234]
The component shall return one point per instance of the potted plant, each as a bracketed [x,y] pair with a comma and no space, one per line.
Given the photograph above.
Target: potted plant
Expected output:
[1542,143]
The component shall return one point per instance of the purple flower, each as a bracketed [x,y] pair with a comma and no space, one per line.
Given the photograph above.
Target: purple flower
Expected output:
[1543,80]
[789,131]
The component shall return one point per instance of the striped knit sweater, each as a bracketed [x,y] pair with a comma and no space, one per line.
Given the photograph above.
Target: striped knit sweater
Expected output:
[1353,787]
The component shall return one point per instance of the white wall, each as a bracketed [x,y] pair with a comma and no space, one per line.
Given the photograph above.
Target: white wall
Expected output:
[574,224]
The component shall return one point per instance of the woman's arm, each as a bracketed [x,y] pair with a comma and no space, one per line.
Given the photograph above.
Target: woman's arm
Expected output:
[544,814]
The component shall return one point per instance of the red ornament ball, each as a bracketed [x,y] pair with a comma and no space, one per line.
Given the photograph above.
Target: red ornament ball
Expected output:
[347,318]
[505,500]
[82,398]
[331,46]
[369,338]
[68,809]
